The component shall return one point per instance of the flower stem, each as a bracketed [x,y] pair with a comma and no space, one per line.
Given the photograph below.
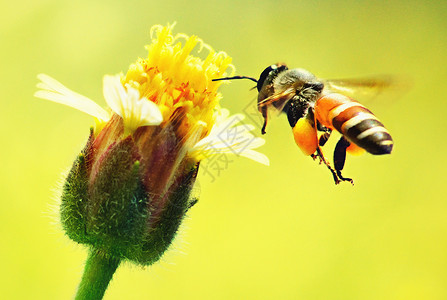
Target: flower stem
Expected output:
[98,272]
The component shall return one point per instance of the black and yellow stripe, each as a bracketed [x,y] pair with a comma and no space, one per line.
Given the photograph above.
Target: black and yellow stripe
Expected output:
[361,127]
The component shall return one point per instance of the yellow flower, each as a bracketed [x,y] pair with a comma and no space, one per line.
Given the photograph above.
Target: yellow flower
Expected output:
[129,189]
[177,82]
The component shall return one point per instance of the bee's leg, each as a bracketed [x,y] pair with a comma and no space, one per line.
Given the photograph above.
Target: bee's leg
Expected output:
[340,158]
[325,136]
[322,159]
[264,114]
[263,126]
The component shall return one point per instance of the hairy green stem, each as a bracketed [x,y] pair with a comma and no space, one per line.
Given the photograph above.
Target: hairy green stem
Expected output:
[98,272]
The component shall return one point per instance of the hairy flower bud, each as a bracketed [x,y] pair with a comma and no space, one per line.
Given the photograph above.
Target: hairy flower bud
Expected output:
[109,200]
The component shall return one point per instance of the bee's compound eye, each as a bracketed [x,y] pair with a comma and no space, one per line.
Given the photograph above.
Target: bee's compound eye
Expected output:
[269,73]
[264,75]
[318,86]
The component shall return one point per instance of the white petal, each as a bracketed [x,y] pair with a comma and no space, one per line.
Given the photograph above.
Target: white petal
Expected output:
[55,91]
[224,121]
[256,142]
[128,104]
[114,92]
[228,137]
[149,112]
[257,156]
[223,114]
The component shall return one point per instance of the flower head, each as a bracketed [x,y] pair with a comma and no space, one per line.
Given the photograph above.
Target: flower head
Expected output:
[129,188]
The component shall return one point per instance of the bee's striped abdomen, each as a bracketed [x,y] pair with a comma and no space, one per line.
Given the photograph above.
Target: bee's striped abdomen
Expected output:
[357,123]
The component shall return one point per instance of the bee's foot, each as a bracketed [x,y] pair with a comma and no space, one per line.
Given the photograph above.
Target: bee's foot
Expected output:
[344,178]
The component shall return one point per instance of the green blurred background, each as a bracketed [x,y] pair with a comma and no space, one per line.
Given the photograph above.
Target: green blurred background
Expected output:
[279,232]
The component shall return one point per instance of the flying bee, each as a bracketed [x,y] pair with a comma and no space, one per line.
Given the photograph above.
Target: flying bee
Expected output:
[315,107]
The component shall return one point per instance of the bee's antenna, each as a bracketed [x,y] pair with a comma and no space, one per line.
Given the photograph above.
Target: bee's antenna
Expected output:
[236,77]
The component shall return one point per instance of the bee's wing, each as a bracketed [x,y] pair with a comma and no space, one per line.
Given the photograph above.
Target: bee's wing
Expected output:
[367,87]
[278,100]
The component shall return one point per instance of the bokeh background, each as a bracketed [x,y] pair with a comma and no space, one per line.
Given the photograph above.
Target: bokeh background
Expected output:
[279,232]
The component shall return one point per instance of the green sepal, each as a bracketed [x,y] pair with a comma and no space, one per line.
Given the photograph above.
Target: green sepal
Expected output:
[74,201]
[160,236]
[117,210]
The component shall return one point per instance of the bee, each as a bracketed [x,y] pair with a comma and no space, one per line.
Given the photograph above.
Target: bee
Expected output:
[315,107]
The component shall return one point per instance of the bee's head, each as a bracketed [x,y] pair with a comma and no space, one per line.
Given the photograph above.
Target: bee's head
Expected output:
[269,74]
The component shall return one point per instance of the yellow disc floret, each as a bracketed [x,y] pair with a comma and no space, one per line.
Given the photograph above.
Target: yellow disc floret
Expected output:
[172,77]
